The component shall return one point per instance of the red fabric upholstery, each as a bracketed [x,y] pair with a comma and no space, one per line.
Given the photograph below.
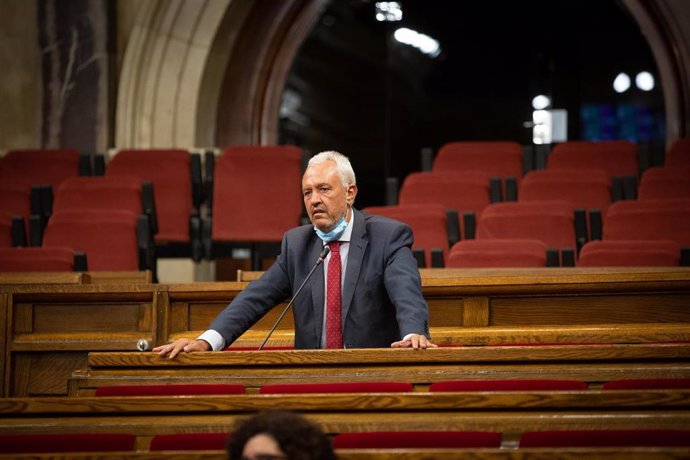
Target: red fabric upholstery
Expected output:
[419,439]
[459,190]
[605,438]
[53,443]
[587,188]
[549,221]
[36,259]
[630,253]
[15,198]
[618,158]
[109,238]
[33,167]
[494,158]
[5,229]
[189,441]
[169,171]
[256,194]
[648,384]
[649,220]
[428,223]
[508,385]
[355,387]
[520,252]
[117,192]
[664,183]
[678,156]
[170,390]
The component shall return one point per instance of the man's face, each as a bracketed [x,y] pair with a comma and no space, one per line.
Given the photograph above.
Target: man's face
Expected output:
[325,198]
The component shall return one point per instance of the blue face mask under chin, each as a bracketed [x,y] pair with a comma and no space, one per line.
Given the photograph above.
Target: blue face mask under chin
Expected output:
[335,233]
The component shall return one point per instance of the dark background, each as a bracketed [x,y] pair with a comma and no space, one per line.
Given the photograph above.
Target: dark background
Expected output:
[379,102]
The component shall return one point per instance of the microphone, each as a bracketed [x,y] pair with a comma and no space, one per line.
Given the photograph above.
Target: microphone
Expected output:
[322,256]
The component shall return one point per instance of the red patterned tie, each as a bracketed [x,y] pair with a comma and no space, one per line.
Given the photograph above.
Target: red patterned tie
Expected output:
[334,331]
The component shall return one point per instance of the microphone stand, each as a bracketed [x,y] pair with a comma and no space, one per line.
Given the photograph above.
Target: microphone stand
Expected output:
[322,256]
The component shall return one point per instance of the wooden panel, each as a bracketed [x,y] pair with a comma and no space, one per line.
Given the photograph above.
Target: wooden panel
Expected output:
[591,309]
[44,373]
[4,327]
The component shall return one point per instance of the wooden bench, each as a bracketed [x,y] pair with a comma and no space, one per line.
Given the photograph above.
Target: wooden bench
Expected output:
[52,327]
[594,364]
[509,413]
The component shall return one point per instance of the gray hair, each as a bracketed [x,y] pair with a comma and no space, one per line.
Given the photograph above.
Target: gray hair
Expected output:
[342,165]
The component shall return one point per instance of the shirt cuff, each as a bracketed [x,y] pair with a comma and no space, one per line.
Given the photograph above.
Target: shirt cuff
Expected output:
[214,339]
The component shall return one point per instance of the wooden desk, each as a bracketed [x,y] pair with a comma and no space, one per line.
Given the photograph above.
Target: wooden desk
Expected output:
[591,363]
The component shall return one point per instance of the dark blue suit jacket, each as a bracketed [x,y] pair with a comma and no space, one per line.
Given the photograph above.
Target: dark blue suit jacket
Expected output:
[382,298]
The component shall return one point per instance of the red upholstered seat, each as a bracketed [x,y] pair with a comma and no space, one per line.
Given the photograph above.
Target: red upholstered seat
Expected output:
[108,238]
[495,158]
[169,171]
[630,253]
[170,390]
[5,229]
[549,221]
[648,384]
[508,385]
[36,259]
[33,167]
[605,438]
[189,441]
[15,198]
[256,195]
[586,188]
[117,192]
[518,252]
[649,220]
[665,183]
[618,158]
[678,155]
[417,439]
[355,387]
[54,443]
[428,223]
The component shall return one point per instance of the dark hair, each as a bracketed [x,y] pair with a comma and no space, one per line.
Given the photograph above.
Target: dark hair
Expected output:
[297,437]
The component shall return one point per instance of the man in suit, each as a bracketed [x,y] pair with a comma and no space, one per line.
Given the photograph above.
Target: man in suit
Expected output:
[368,293]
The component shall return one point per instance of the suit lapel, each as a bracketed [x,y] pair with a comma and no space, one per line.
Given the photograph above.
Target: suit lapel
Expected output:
[358,244]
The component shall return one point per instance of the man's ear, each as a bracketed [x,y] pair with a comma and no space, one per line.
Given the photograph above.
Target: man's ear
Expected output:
[351,194]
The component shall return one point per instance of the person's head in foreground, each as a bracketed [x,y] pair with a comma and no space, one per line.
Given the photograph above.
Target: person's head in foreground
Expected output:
[278,435]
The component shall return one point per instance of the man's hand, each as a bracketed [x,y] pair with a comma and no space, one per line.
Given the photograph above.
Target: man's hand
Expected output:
[187,345]
[415,341]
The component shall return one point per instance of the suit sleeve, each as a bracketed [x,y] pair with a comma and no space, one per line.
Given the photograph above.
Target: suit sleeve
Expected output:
[403,283]
[254,301]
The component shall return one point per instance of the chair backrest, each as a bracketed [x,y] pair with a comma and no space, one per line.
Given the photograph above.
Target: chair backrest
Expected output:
[169,171]
[618,158]
[15,198]
[428,224]
[108,238]
[605,438]
[586,188]
[630,253]
[33,167]
[115,192]
[65,442]
[549,221]
[170,390]
[190,441]
[487,253]
[36,259]
[421,439]
[354,387]
[256,195]
[463,191]
[678,155]
[495,158]
[509,385]
[648,384]
[5,229]
[649,220]
[664,183]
